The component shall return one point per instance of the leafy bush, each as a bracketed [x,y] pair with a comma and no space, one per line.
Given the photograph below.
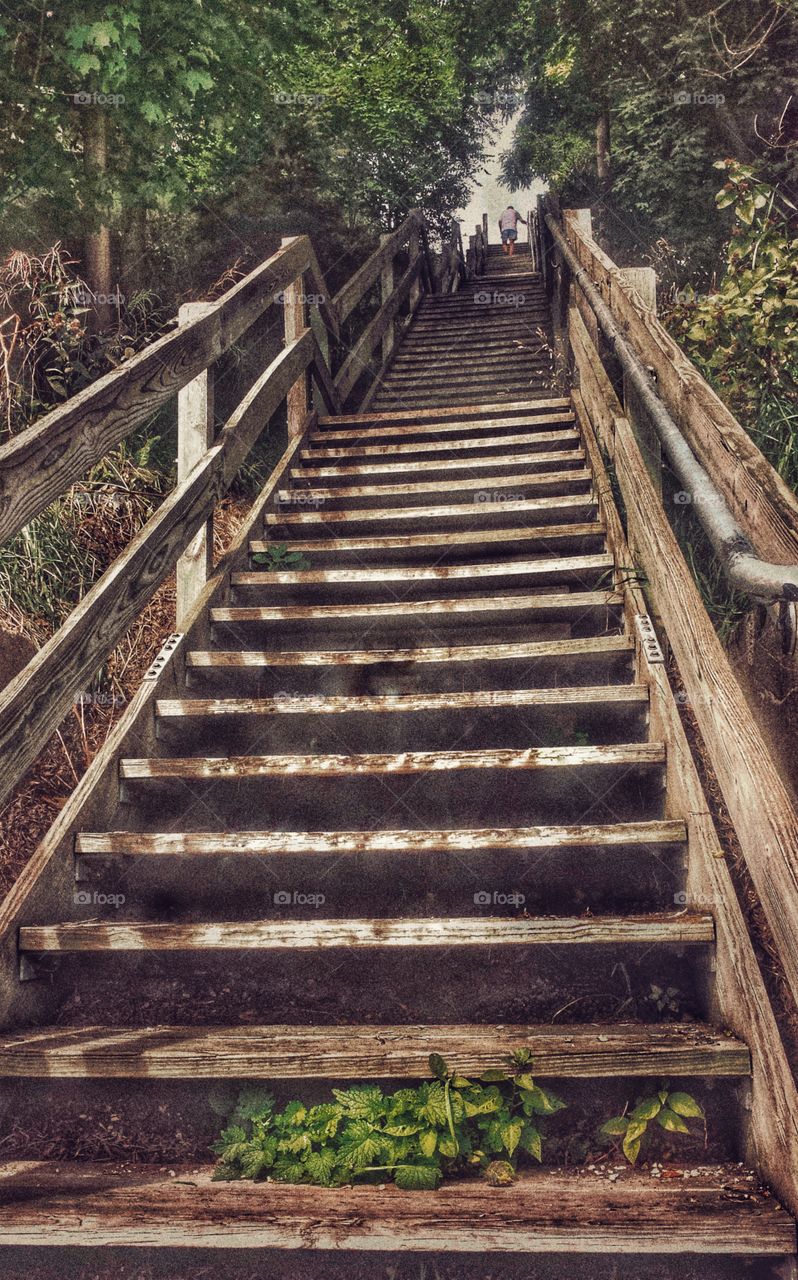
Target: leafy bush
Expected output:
[670,1110]
[744,335]
[413,1136]
[417,1136]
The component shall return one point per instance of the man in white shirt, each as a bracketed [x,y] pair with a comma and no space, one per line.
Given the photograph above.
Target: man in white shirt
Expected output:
[508,226]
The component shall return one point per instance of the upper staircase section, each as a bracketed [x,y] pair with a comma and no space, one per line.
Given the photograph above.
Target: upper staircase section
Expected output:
[490,342]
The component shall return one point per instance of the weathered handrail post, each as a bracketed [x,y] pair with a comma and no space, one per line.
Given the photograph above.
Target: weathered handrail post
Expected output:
[414,249]
[485,229]
[296,319]
[386,293]
[195,433]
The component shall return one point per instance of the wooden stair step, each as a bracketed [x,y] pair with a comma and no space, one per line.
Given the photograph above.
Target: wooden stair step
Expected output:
[556,404]
[627,756]
[581,696]
[534,481]
[565,568]
[445,466]
[458,428]
[544,607]
[365,1052]
[609,836]
[580,506]
[67,1204]
[587,647]
[566,439]
[452,397]
[660,928]
[442,541]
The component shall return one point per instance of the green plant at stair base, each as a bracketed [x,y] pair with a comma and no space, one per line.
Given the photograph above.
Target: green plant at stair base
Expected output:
[415,1136]
[670,1111]
[277,557]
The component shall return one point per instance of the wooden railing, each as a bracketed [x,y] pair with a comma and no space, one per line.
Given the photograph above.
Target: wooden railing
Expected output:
[40,464]
[761,810]
[453,262]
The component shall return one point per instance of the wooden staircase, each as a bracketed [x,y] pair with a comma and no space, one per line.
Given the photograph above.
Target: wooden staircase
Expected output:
[408,799]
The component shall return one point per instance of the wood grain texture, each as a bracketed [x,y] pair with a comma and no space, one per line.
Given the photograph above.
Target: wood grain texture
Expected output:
[740,1000]
[489,411]
[260,843]
[470,700]
[566,438]
[357,1052]
[547,605]
[764,819]
[591,647]
[552,566]
[535,482]
[451,510]
[720,1212]
[663,928]
[450,466]
[631,756]
[464,538]
[377,431]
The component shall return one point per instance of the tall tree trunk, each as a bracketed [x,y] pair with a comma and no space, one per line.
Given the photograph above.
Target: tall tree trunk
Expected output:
[603,148]
[97,243]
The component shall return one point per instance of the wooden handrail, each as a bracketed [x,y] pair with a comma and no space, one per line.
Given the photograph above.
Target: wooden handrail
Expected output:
[759,499]
[762,813]
[369,273]
[37,466]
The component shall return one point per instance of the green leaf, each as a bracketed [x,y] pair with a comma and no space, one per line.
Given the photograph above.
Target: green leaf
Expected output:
[541,1102]
[418,1177]
[685,1105]
[493,1075]
[671,1121]
[428,1142]
[511,1135]
[321,1165]
[647,1109]
[438,1066]
[631,1149]
[531,1142]
[616,1126]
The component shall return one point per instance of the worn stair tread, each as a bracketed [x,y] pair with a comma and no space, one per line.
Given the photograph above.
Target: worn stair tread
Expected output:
[625,755]
[463,428]
[470,410]
[681,928]
[476,510]
[552,565]
[465,537]
[588,646]
[566,437]
[547,1211]
[550,605]
[367,704]
[534,480]
[259,843]
[372,1052]
[355,469]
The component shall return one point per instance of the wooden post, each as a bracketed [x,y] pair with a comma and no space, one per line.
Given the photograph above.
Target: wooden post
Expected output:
[485,229]
[296,320]
[195,433]
[387,287]
[414,249]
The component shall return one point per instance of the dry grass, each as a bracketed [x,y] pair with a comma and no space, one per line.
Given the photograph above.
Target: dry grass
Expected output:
[34,804]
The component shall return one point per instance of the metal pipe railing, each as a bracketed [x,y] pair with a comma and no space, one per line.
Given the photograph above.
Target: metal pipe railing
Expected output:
[742,566]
